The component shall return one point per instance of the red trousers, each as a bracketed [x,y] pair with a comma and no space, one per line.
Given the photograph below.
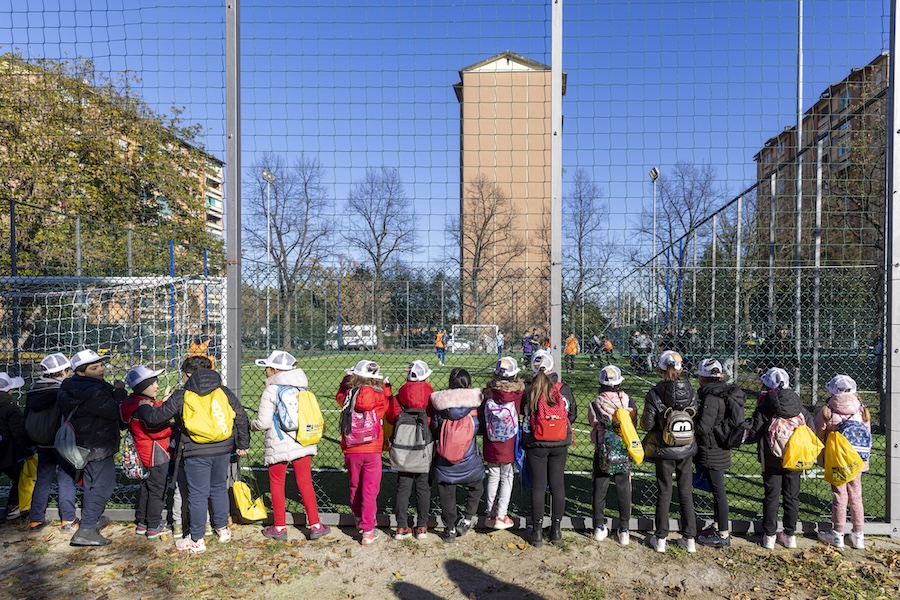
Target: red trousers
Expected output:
[303,475]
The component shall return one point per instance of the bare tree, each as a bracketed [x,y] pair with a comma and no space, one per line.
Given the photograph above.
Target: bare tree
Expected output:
[487,241]
[385,228]
[300,221]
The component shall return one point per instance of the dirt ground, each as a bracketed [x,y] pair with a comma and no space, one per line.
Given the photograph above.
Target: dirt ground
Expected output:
[483,564]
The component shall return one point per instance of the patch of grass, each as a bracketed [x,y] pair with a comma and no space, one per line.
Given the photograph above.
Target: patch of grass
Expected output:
[581,585]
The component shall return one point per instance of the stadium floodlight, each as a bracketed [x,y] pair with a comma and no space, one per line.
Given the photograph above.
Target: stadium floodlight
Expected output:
[270,179]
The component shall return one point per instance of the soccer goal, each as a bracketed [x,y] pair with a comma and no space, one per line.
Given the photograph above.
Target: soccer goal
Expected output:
[473,339]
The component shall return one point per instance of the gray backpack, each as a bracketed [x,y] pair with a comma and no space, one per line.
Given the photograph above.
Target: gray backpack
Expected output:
[412,445]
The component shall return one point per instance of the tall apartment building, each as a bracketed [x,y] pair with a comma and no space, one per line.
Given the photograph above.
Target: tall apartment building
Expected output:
[505,140]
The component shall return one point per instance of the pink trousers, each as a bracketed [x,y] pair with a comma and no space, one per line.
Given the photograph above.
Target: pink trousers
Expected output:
[365,483]
[850,492]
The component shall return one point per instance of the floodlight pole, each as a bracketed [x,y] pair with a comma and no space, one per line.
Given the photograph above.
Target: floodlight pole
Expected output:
[270,179]
[654,175]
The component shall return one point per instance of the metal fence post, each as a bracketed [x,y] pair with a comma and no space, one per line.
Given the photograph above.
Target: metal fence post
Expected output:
[556,179]
[737,286]
[712,292]
[817,273]
[232,354]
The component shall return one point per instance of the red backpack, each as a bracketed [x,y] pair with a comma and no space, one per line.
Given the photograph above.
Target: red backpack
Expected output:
[551,423]
[456,437]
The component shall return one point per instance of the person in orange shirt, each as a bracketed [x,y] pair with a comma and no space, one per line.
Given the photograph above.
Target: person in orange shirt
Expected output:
[440,345]
[570,352]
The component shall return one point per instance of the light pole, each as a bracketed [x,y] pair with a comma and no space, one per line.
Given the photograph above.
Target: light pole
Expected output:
[270,179]
[654,175]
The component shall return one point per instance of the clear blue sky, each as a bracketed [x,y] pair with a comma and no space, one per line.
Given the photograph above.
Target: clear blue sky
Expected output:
[366,84]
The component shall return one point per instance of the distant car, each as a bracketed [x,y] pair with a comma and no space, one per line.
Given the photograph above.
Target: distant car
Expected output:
[459,345]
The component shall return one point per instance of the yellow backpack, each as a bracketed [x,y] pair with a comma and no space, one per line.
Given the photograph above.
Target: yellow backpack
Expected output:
[842,462]
[207,419]
[802,450]
[629,435]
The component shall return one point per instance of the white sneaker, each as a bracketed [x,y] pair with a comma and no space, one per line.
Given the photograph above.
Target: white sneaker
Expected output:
[658,544]
[788,541]
[600,533]
[857,542]
[189,544]
[224,535]
[624,538]
[769,542]
[832,538]
[504,522]
[688,543]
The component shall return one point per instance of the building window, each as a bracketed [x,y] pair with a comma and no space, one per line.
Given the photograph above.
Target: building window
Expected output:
[781,147]
[844,99]
[210,202]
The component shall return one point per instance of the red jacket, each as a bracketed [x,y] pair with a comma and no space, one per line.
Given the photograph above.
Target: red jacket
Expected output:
[502,392]
[412,394]
[152,442]
[370,398]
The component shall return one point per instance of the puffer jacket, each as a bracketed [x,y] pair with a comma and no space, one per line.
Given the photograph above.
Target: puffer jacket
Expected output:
[838,409]
[370,398]
[412,395]
[42,396]
[664,395]
[96,418]
[713,407]
[14,443]
[201,382]
[773,403]
[453,405]
[152,443]
[287,448]
[502,392]
[606,404]
[528,440]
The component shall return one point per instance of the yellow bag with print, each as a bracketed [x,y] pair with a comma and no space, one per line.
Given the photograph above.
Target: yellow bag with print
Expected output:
[842,462]
[629,435]
[250,509]
[802,450]
[27,479]
[209,418]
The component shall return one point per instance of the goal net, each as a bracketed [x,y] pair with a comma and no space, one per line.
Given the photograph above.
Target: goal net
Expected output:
[473,339]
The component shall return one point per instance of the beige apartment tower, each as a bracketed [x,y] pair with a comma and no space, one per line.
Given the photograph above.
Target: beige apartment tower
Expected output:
[504,224]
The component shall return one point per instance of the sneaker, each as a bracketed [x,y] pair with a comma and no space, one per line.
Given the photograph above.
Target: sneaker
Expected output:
[275,533]
[714,540]
[788,541]
[658,544]
[832,538]
[89,537]
[13,512]
[140,529]
[504,522]
[449,535]
[688,543]
[463,526]
[102,522]
[600,533]
[177,531]
[402,533]
[318,531]
[70,526]
[857,541]
[189,544]
[768,542]
[624,537]
[369,537]
[36,526]
[160,531]
[224,535]
[421,533]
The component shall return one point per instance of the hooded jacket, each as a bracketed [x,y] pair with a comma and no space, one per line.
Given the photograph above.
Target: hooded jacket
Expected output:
[369,398]
[502,392]
[838,409]
[607,403]
[287,448]
[713,407]
[664,395]
[42,396]
[96,418]
[412,395]
[773,403]
[152,443]
[453,405]
[528,440]
[15,441]
[201,382]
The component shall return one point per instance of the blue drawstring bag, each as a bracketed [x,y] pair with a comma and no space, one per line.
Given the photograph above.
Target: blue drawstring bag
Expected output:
[700,480]
[521,464]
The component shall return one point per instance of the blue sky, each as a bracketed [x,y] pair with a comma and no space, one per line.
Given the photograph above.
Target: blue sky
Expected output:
[366,84]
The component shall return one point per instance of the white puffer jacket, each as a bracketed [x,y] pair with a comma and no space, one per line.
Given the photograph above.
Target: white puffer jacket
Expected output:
[287,449]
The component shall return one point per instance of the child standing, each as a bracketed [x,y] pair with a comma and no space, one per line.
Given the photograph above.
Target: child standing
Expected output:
[777,400]
[412,398]
[363,460]
[458,462]
[500,411]
[282,448]
[673,393]
[14,442]
[152,444]
[608,461]
[843,406]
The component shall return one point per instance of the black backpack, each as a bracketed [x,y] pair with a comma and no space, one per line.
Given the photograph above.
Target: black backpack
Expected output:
[731,432]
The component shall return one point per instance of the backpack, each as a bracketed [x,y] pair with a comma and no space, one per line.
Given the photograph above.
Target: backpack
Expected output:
[802,450]
[614,457]
[678,429]
[412,445]
[66,444]
[456,438]
[551,423]
[780,431]
[298,410]
[731,432]
[842,462]
[209,418]
[131,460]
[501,420]
[41,425]
[856,433]
[358,427]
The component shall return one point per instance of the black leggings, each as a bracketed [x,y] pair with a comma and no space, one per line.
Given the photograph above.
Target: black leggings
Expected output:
[547,467]
[720,499]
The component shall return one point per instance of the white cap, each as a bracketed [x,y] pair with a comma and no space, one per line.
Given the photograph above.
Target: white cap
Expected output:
[9,383]
[841,384]
[775,378]
[542,361]
[86,357]
[418,371]
[279,359]
[54,363]
[507,367]
[710,367]
[367,368]
[140,374]
[611,375]
[670,358]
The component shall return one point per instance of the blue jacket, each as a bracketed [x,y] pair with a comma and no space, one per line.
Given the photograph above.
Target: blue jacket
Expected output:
[454,405]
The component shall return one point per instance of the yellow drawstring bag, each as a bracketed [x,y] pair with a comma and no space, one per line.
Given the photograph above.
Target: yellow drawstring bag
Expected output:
[629,435]
[842,462]
[802,450]
[250,509]
[27,479]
